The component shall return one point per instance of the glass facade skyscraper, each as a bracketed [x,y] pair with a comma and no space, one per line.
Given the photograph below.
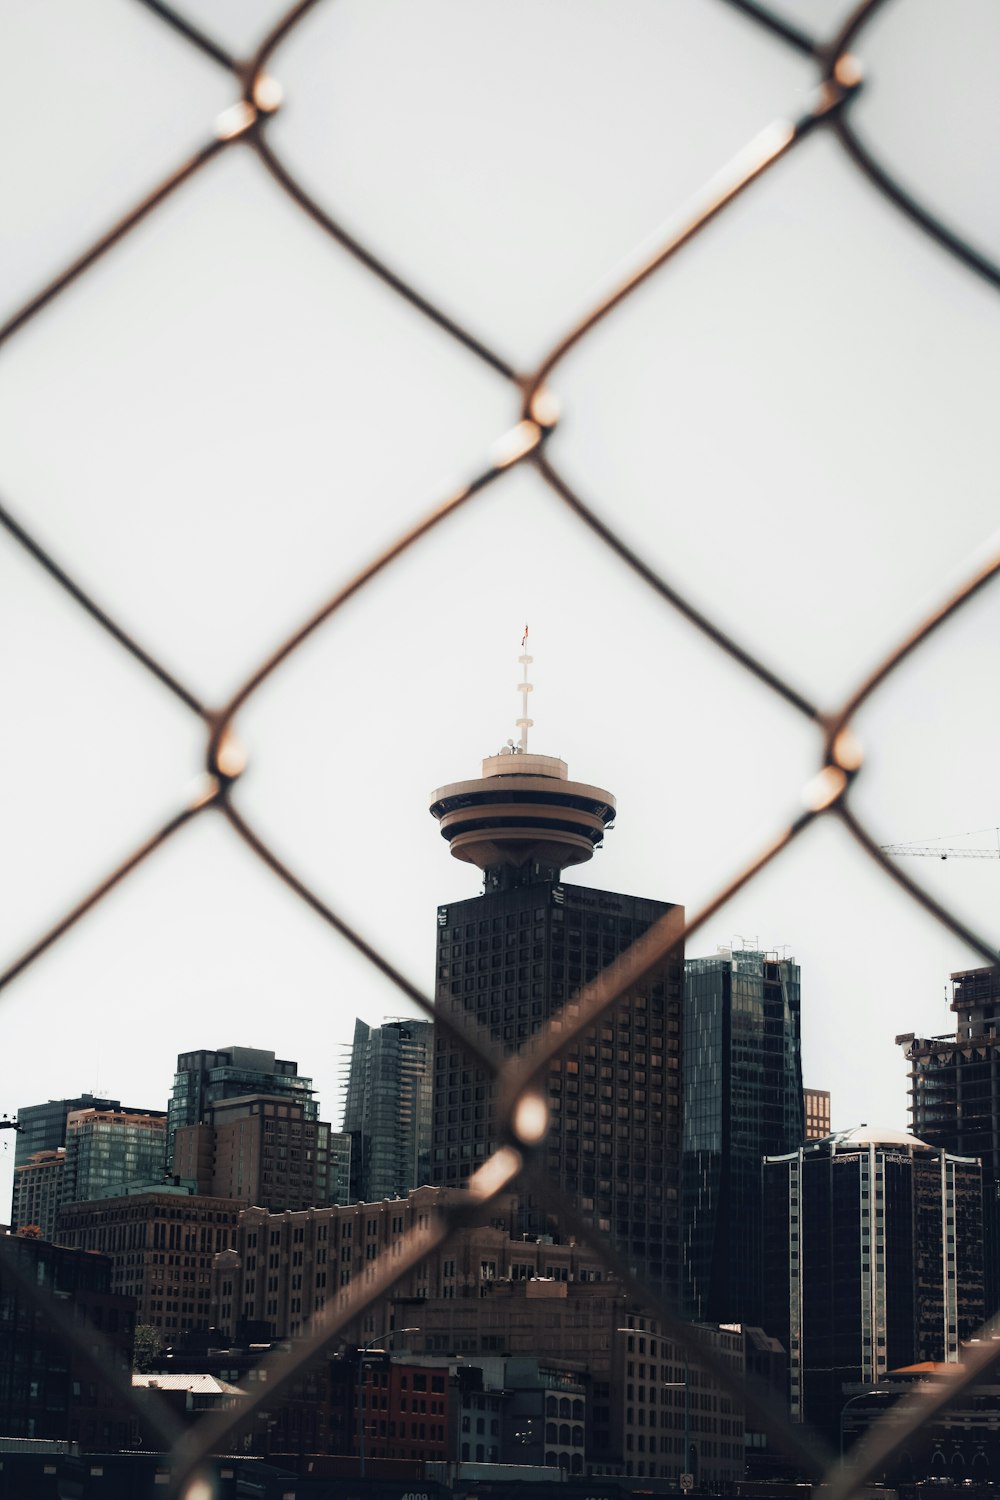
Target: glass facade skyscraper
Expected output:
[742,1101]
[110,1150]
[43,1130]
[387,1109]
[42,1127]
[107,1151]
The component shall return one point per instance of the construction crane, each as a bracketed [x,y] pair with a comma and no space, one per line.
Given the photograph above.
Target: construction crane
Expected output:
[938,851]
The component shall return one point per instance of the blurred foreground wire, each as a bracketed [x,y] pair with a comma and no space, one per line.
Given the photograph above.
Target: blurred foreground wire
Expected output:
[534,415]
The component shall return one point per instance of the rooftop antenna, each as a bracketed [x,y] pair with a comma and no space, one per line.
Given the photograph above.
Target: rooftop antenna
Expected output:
[524,687]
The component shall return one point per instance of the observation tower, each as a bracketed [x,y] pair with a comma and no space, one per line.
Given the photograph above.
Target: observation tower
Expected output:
[522,820]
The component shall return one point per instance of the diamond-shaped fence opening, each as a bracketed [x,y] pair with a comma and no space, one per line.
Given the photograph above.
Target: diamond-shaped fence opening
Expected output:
[247,124]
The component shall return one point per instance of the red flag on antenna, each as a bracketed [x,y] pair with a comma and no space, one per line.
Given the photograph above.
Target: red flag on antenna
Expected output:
[524,638]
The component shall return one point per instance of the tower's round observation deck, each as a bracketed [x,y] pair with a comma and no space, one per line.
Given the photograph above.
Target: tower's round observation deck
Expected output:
[523,816]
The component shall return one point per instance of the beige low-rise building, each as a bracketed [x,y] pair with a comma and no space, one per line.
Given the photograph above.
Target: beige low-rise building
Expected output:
[163,1245]
[650,1409]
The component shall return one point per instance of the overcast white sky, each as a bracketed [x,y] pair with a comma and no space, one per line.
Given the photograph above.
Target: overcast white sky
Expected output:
[796,421]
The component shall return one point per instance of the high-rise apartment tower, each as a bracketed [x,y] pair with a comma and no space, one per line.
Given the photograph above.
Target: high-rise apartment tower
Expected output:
[205,1078]
[72,1149]
[243,1124]
[108,1150]
[42,1127]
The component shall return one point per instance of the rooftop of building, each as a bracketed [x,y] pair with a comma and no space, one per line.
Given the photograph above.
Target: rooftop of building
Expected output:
[861,1136]
[201,1385]
[151,1119]
[251,1059]
[874,1135]
[745,950]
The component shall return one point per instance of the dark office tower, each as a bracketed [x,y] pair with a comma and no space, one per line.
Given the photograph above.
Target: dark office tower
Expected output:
[515,956]
[872,1261]
[387,1110]
[955,1097]
[204,1079]
[742,1101]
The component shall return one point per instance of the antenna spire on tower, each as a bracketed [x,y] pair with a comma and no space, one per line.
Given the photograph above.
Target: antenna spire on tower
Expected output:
[522,821]
[524,687]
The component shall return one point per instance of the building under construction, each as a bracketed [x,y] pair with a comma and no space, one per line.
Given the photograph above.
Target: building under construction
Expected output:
[955,1097]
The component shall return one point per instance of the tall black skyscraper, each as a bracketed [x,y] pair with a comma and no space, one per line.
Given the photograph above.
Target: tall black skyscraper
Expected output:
[515,956]
[742,1101]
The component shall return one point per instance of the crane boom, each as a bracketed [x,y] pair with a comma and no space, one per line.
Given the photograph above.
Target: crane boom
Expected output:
[935,851]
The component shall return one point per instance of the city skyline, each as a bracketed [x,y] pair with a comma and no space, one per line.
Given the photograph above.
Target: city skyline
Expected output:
[329,1068]
[766,438]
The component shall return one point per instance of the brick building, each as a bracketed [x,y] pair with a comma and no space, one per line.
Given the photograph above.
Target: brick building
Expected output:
[486,1296]
[288,1267]
[263,1149]
[162,1245]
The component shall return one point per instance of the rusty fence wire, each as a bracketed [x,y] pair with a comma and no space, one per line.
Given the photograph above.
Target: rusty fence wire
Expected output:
[839,77]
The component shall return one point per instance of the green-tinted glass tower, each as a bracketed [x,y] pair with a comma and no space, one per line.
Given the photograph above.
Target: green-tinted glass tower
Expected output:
[387,1109]
[742,1101]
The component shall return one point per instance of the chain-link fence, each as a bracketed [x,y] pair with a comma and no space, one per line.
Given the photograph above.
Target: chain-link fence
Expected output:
[839,79]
